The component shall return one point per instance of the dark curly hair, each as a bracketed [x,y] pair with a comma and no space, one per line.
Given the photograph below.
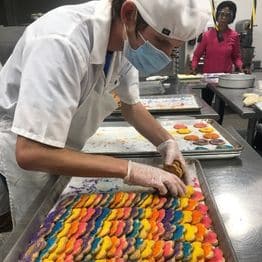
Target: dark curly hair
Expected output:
[231,5]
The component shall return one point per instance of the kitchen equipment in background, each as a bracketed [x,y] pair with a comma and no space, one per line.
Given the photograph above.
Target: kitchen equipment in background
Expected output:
[236,81]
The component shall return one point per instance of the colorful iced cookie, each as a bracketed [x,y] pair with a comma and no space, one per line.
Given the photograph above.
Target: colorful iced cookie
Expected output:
[147,202]
[121,248]
[156,200]
[44,230]
[160,231]
[56,229]
[200,125]
[147,213]
[200,148]
[147,252]
[198,196]
[217,141]
[198,252]
[67,201]
[161,203]
[50,246]
[33,250]
[197,217]
[183,131]
[187,217]
[169,215]
[153,230]
[202,208]
[208,250]
[136,229]
[120,228]
[89,202]
[127,212]
[192,204]
[201,142]
[115,243]
[161,214]
[178,250]
[218,256]
[123,200]
[224,147]
[105,246]
[86,248]
[178,216]
[191,137]
[104,201]
[206,220]
[120,213]
[183,202]
[130,200]
[175,168]
[145,228]
[64,231]
[207,129]
[70,246]
[89,213]
[81,201]
[179,233]
[211,136]
[73,229]
[201,232]
[169,231]
[168,251]
[98,199]
[190,232]
[187,251]
[74,215]
[128,227]
[59,249]
[180,126]
[158,249]
[96,245]
[105,229]
[211,237]
[130,247]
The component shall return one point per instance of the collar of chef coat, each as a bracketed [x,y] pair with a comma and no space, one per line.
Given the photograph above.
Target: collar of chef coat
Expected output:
[101,31]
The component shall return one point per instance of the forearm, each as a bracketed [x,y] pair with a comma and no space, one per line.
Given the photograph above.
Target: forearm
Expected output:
[31,155]
[145,123]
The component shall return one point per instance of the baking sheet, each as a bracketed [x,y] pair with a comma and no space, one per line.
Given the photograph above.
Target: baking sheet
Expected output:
[122,139]
[90,185]
[180,102]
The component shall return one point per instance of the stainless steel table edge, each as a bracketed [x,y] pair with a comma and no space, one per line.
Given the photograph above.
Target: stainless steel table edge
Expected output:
[218,225]
[16,243]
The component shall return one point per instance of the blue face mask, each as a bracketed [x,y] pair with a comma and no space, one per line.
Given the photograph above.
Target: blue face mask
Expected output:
[146,58]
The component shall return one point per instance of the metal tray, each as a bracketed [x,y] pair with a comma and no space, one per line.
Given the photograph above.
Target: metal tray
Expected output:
[19,244]
[236,81]
[169,103]
[122,140]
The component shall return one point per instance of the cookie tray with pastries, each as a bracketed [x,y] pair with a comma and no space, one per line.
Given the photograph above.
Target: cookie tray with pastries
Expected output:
[91,219]
[200,139]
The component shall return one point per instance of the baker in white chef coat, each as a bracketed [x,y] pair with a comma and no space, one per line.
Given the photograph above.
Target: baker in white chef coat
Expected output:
[56,89]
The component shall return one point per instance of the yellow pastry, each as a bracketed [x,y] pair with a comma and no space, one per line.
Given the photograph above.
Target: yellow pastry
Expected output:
[207,129]
[183,131]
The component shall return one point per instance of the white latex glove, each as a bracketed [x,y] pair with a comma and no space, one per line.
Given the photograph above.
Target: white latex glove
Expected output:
[169,151]
[148,176]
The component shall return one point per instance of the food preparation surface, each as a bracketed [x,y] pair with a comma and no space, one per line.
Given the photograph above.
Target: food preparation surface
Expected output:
[195,138]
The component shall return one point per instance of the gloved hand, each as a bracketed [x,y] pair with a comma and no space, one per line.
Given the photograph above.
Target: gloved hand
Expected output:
[169,151]
[148,176]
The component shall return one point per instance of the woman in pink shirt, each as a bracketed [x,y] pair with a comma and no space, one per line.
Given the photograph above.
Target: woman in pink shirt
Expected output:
[221,48]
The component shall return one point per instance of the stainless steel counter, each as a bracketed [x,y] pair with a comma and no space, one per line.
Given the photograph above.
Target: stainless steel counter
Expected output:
[236,185]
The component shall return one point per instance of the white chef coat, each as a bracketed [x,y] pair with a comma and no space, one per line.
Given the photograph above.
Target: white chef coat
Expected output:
[53,89]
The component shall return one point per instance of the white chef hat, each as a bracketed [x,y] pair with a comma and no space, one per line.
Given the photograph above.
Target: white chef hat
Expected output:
[177,19]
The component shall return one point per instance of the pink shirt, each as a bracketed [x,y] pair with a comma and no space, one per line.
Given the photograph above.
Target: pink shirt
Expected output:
[219,56]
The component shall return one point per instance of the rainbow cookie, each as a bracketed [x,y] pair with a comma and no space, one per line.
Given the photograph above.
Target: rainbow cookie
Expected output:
[89,213]
[86,248]
[197,217]
[198,196]
[115,243]
[187,217]
[50,246]
[178,250]
[179,233]
[200,125]
[201,142]
[97,201]
[67,201]
[128,227]
[160,231]
[218,256]
[74,215]
[169,216]
[211,237]
[73,229]
[96,246]
[217,142]
[169,231]
[202,208]
[44,230]
[147,201]
[183,131]
[120,213]
[190,232]
[56,229]
[178,216]
[192,204]
[198,252]
[104,247]
[120,228]
[161,214]
[123,200]
[201,232]
[127,213]
[206,220]
[191,138]
[168,251]
[81,201]
[130,200]
[121,248]
[105,229]
[183,202]
[207,129]
[153,230]
[189,191]
[58,250]
[161,203]
[69,246]
[89,202]
[187,251]
[208,250]
[158,249]
[180,126]
[146,227]
[33,250]
[211,136]
[136,229]
[148,250]
[64,230]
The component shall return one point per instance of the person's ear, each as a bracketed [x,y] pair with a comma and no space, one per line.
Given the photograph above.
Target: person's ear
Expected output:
[128,14]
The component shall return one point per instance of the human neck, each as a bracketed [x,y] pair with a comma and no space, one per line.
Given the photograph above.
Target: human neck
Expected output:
[116,40]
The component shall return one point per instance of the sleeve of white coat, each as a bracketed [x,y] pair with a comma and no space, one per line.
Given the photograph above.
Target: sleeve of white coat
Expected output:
[128,89]
[49,92]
